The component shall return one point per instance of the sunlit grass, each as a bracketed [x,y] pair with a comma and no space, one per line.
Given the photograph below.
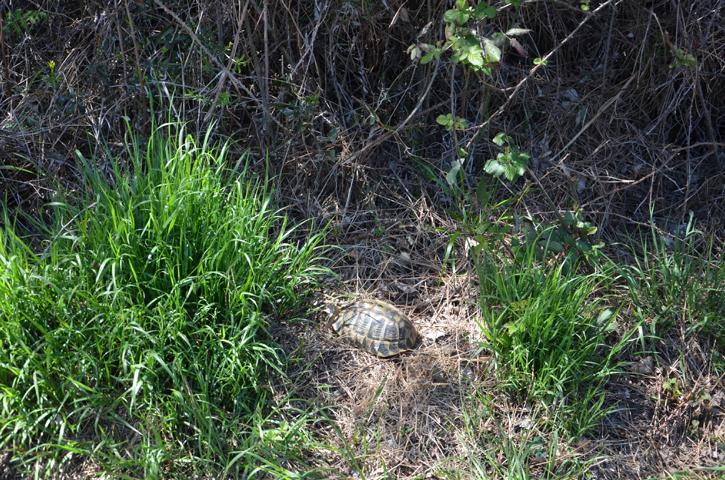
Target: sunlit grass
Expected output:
[138,336]
[521,445]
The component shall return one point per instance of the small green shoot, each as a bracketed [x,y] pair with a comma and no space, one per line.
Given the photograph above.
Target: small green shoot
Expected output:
[511,163]
[683,59]
[451,122]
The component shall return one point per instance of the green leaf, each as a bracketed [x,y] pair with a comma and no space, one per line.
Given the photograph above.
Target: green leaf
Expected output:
[483,10]
[500,139]
[456,16]
[520,160]
[683,59]
[450,16]
[475,58]
[513,328]
[451,122]
[583,245]
[414,51]
[569,219]
[494,167]
[427,58]
[452,175]
[510,163]
[433,54]
[460,123]
[513,171]
[539,61]
[445,120]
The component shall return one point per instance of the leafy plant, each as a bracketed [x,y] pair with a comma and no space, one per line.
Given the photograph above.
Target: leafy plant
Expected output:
[576,224]
[572,237]
[52,77]
[454,174]
[452,122]
[469,47]
[683,59]
[239,63]
[672,388]
[477,52]
[511,162]
[224,99]
[17,22]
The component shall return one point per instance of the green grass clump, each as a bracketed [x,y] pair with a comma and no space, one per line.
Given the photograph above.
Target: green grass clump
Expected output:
[139,336]
[552,334]
[678,281]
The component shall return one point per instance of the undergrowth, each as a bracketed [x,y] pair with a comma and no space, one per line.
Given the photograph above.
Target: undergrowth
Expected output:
[522,446]
[552,332]
[563,324]
[138,336]
[677,280]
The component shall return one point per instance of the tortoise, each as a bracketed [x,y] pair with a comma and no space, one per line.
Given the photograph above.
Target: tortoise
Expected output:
[374,326]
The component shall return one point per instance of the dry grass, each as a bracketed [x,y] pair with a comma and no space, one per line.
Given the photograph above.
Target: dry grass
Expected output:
[404,417]
[400,416]
[671,415]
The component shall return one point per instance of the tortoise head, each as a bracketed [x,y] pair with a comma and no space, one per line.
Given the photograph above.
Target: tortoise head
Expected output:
[330,311]
[327,306]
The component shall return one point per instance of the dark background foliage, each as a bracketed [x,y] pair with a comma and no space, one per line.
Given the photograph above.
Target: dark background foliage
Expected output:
[328,92]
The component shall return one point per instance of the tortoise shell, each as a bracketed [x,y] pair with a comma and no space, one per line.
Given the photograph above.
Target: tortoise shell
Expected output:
[376,327]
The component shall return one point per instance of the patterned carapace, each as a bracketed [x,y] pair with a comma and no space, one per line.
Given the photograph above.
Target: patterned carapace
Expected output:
[376,327]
